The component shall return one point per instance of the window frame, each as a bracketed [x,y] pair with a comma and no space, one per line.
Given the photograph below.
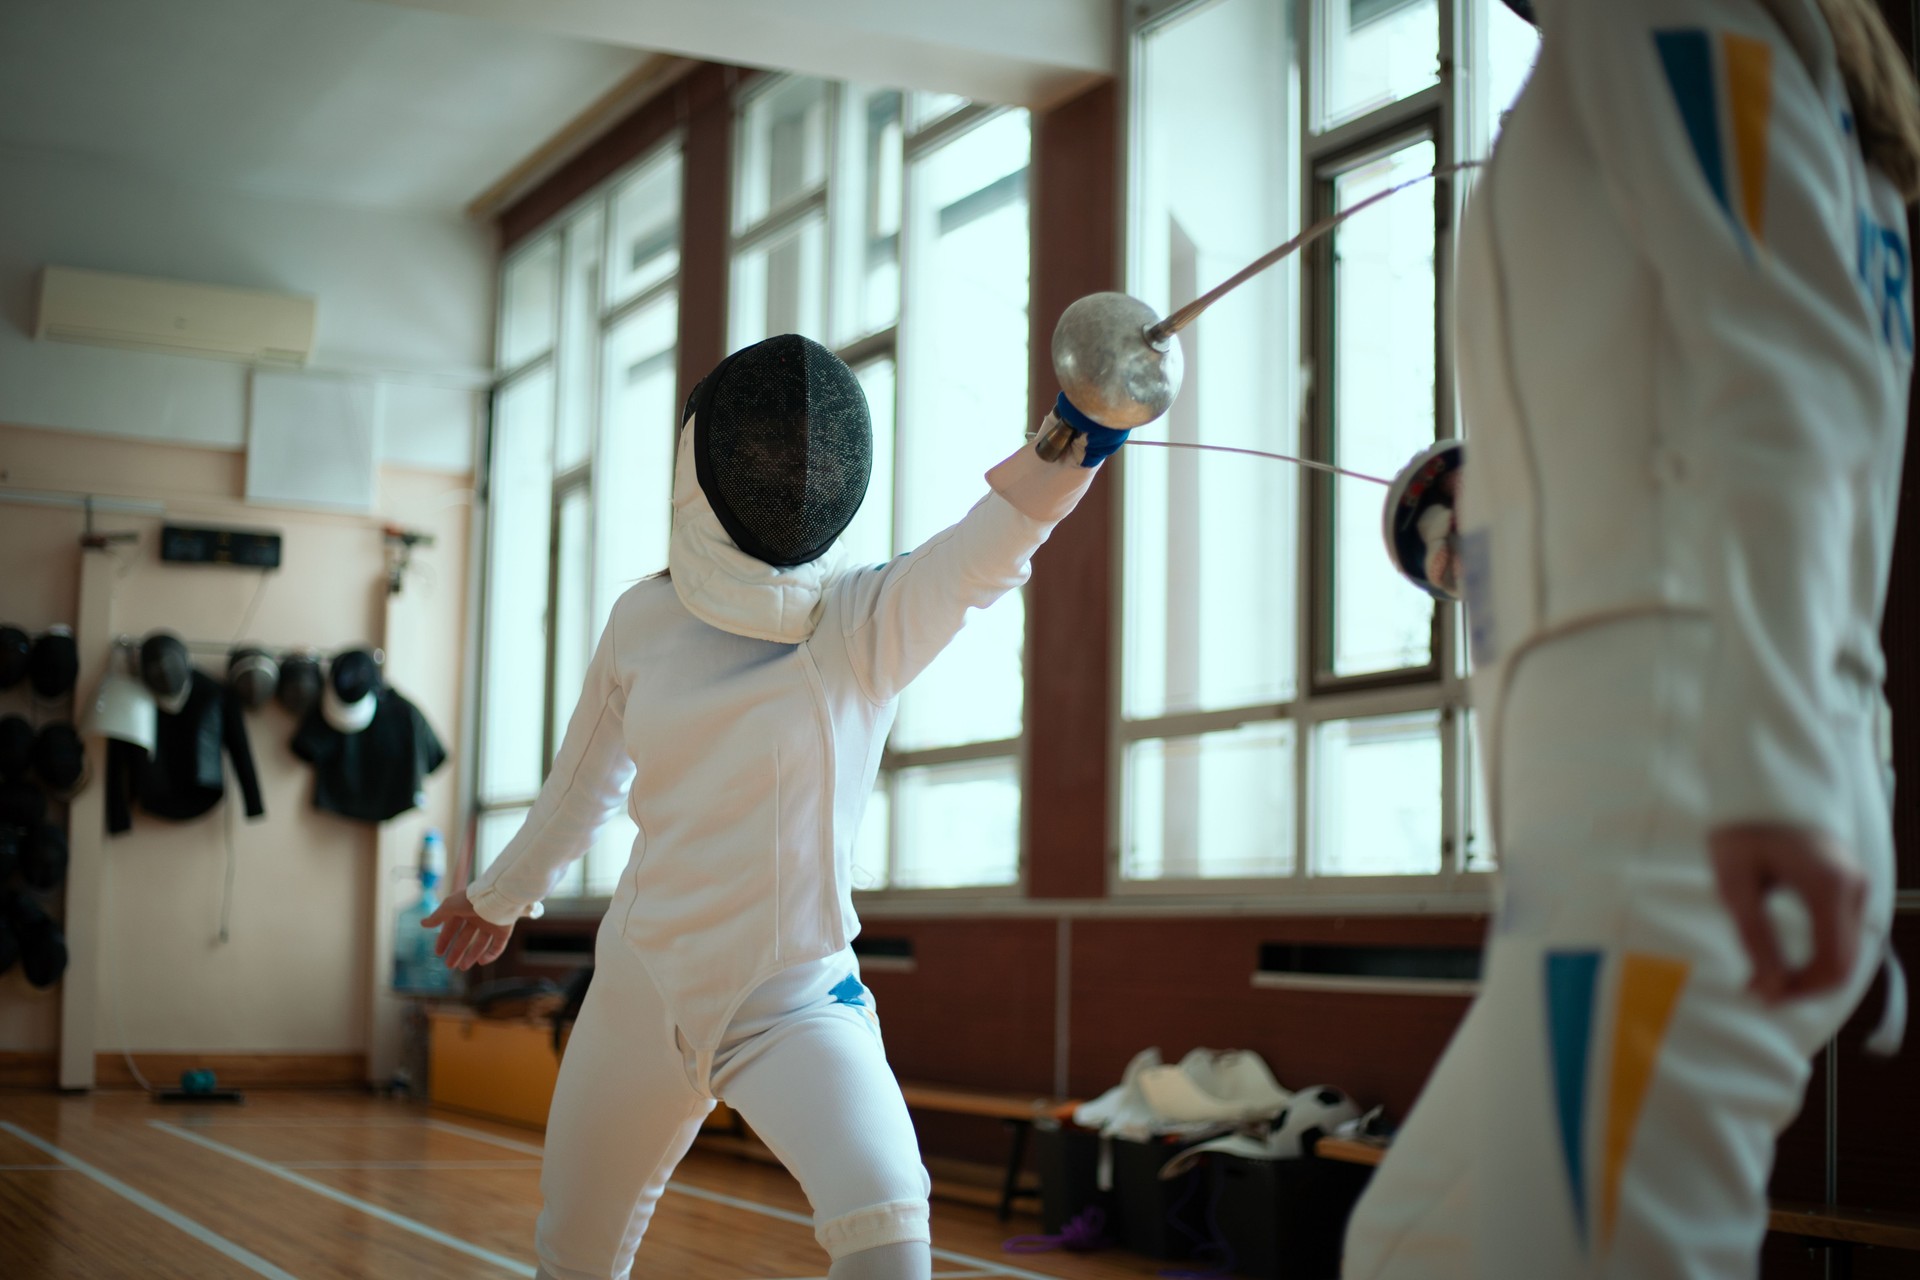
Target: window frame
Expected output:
[832,199]
[1438,112]
[607,317]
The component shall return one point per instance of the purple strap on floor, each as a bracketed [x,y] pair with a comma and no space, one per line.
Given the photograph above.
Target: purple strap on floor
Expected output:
[1086,1232]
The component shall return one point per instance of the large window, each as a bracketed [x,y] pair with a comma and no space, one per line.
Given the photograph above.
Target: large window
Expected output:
[579,478]
[893,227]
[1292,713]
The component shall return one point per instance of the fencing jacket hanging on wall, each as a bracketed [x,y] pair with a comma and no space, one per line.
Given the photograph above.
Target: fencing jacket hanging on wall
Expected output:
[371,749]
[184,778]
[197,722]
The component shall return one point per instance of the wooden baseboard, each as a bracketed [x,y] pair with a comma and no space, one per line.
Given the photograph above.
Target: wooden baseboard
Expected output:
[237,1070]
[39,1069]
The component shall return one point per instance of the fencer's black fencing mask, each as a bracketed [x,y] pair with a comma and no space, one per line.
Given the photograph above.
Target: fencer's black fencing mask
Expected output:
[783,445]
[1525,9]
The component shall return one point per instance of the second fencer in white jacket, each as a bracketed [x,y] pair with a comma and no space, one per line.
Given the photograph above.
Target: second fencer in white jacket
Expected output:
[738,712]
[1685,336]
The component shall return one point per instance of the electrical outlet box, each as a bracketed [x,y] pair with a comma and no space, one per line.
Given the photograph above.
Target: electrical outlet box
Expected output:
[244,548]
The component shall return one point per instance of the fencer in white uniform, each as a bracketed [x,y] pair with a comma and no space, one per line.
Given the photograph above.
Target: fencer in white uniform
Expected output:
[738,709]
[1685,337]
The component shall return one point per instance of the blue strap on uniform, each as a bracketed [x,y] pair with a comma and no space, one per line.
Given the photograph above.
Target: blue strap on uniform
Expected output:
[1101,441]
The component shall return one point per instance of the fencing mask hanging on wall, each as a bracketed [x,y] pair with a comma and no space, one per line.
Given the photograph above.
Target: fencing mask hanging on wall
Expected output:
[167,669]
[300,683]
[54,663]
[252,675]
[59,758]
[16,649]
[16,748]
[352,692]
[783,445]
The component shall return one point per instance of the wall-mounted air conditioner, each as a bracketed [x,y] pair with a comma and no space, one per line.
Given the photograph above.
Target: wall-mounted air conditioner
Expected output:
[173,316]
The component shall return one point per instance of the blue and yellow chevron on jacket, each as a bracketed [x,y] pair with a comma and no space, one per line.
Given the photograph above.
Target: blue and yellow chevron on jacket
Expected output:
[1646,989]
[1723,86]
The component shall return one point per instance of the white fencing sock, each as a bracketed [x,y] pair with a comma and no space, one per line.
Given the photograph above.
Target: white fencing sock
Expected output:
[908,1260]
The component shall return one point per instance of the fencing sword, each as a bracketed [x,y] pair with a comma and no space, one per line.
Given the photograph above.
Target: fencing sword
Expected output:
[1121,365]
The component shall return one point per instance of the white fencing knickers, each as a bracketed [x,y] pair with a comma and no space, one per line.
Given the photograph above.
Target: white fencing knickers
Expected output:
[802,1062]
[1609,1107]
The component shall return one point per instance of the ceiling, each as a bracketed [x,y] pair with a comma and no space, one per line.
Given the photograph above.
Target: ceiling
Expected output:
[334,101]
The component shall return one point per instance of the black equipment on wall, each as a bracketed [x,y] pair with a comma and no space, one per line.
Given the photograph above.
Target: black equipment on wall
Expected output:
[16,650]
[43,947]
[252,675]
[54,663]
[165,665]
[300,683]
[43,864]
[354,674]
[59,758]
[16,748]
[247,548]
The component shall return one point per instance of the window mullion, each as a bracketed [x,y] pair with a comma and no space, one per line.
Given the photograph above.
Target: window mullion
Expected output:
[781,220]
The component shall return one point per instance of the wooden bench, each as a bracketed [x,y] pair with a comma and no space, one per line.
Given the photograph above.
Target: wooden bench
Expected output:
[1017,1111]
[1833,1227]
[1839,1230]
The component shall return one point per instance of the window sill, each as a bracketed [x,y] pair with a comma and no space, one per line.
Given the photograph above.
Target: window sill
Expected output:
[1366,986]
[1186,901]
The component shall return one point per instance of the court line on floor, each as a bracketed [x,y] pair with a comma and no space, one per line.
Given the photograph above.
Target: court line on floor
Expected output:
[173,1218]
[407,1164]
[201,1122]
[372,1210]
[35,1168]
[510,1144]
[751,1206]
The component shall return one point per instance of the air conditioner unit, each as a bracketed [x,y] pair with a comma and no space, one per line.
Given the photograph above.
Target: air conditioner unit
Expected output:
[173,316]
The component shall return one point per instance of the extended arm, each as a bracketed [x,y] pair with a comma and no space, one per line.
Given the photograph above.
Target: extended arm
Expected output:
[587,785]
[898,617]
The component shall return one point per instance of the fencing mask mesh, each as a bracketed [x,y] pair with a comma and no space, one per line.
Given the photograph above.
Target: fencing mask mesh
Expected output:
[783,445]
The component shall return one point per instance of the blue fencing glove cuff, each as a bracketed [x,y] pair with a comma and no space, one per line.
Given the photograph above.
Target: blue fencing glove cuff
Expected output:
[1101,441]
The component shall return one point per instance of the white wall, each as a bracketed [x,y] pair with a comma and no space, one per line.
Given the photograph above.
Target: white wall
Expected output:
[404,297]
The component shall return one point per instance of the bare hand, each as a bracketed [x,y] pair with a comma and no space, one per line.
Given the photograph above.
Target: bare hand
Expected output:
[465,939]
[1754,860]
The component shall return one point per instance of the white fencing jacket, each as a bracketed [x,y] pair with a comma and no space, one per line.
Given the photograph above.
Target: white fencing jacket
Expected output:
[751,761]
[1685,335]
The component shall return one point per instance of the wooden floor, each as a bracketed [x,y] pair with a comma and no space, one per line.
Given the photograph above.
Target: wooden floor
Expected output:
[344,1187]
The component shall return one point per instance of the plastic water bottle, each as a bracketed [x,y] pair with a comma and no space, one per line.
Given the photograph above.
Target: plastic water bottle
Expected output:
[416,969]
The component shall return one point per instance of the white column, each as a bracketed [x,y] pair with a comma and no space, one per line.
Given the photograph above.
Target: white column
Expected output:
[87,832]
